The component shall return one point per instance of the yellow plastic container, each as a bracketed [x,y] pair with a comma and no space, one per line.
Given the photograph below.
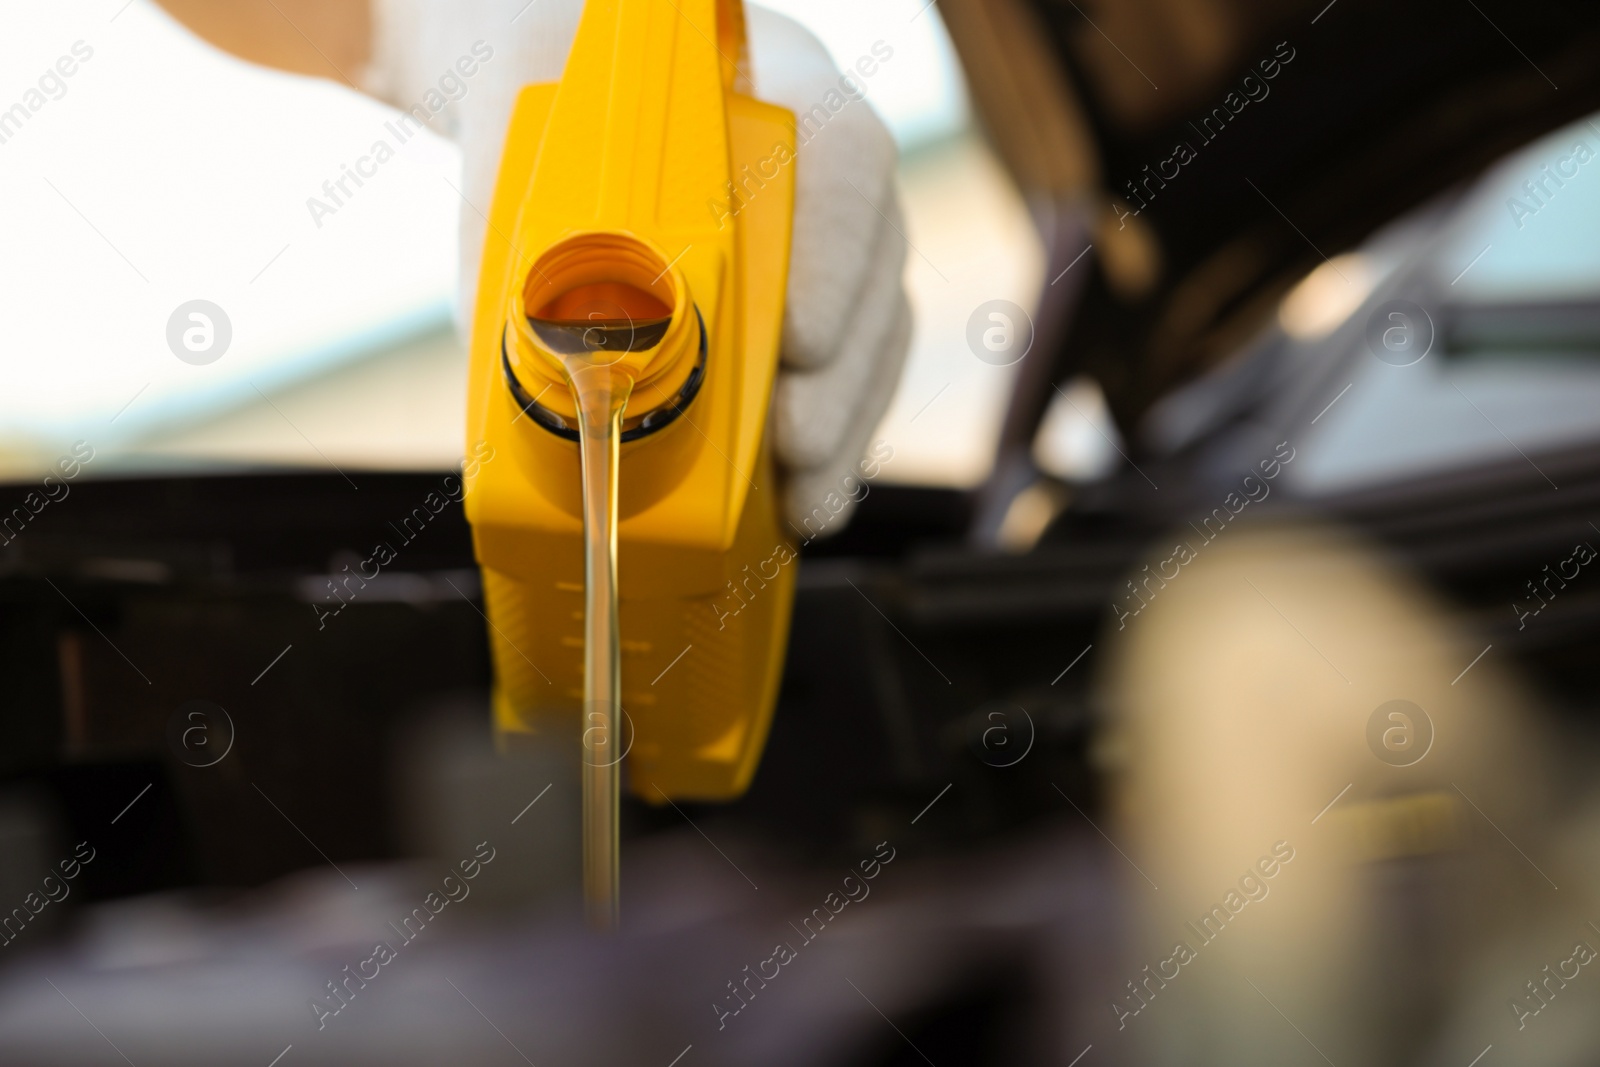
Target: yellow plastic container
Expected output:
[619,184]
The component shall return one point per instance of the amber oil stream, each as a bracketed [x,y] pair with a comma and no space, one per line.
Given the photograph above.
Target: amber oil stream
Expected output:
[589,351]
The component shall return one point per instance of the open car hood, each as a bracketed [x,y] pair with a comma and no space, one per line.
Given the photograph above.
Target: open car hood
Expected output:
[1214,151]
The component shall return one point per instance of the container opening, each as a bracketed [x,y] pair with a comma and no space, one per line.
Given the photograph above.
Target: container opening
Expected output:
[600,293]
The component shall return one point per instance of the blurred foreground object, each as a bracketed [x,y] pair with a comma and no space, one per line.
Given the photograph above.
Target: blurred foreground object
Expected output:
[1349,817]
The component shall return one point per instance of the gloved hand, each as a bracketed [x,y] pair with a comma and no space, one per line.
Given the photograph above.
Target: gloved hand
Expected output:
[847,322]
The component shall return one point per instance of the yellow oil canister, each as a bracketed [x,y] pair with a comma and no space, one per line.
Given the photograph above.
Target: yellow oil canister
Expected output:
[612,193]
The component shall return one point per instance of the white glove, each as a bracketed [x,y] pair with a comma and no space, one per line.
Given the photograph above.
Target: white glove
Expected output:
[847,322]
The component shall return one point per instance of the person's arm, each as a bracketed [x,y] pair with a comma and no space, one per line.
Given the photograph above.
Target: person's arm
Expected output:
[326,38]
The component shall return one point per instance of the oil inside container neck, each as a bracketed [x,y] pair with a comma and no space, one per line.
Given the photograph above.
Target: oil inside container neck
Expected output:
[590,347]
[598,336]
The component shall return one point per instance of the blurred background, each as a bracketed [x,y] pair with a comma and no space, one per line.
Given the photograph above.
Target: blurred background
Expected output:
[1208,678]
